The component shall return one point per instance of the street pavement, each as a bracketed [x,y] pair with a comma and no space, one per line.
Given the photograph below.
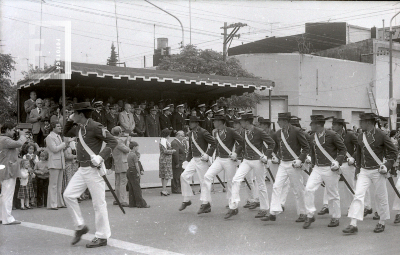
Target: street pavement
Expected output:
[162,229]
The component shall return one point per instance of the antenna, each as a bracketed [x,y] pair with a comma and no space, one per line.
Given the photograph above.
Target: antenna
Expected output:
[116,26]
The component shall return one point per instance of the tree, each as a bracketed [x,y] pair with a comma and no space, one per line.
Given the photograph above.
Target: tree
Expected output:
[247,101]
[33,71]
[113,59]
[8,91]
[193,60]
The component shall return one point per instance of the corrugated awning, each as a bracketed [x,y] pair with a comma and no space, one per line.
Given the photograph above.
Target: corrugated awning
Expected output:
[141,74]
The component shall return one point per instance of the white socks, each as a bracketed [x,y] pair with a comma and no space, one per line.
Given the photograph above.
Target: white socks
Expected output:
[353,222]
[382,222]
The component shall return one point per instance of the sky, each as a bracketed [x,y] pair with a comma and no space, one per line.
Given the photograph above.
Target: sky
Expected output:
[94,28]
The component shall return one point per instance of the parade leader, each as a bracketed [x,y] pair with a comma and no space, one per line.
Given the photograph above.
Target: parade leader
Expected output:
[90,154]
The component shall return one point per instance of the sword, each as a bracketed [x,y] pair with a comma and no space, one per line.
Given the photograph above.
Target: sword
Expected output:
[248,185]
[393,186]
[322,184]
[347,184]
[270,173]
[219,179]
[113,193]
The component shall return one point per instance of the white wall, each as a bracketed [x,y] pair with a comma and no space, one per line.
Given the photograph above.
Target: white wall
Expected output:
[277,105]
[356,34]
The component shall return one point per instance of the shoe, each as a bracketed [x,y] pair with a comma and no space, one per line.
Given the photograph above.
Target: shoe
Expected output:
[184,205]
[334,223]
[230,213]
[302,218]
[176,192]
[146,206]
[397,218]
[52,208]
[350,229]
[97,242]
[308,221]
[15,222]
[283,208]
[367,211]
[376,216]
[261,214]
[247,205]
[204,208]
[24,208]
[323,211]
[254,205]
[79,234]
[379,228]
[61,206]
[164,193]
[28,207]
[269,217]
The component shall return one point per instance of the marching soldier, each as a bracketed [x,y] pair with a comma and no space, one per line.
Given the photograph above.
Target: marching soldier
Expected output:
[198,158]
[226,157]
[292,148]
[253,159]
[92,135]
[327,154]
[373,145]
[347,168]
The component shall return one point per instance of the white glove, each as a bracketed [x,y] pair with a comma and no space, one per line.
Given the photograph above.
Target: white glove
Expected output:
[264,159]
[233,156]
[297,163]
[335,166]
[383,169]
[308,160]
[351,161]
[275,160]
[184,164]
[2,167]
[96,160]
[204,157]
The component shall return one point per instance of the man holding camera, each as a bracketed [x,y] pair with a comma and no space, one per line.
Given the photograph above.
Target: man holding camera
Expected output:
[9,149]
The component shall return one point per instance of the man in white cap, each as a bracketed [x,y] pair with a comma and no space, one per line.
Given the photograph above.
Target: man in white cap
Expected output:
[208,123]
[165,121]
[178,120]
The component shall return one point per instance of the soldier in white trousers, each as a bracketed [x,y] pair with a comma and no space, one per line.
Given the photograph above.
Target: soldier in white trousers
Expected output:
[291,148]
[373,146]
[197,160]
[88,175]
[252,159]
[327,154]
[226,155]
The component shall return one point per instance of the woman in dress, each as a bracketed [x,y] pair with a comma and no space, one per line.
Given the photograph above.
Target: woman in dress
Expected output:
[166,152]
[71,165]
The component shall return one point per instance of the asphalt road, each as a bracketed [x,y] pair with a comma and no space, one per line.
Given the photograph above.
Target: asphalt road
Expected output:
[162,229]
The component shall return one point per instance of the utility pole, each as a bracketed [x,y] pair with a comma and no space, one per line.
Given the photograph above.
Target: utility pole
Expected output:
[392,109]
[229,38]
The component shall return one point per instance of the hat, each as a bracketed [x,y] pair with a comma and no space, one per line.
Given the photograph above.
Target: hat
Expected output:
[171,105]
[368,116]
[264,121]
[138,108]
[153,108]
[98,104]
[236,120]
[339,121]
[229,109]
[214,105]
[284,115]
[194,118]
[82,106]
[294,120]
[181,105]
[241,112]
[317,118]
[207,112]
[219,117]
[166,108]
[219,111]
[201,105]
[247,116]
[143,103]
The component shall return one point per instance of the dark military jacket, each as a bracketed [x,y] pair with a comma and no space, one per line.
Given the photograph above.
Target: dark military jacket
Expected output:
[203,139]
[297,141]
[333,145]
[229,137]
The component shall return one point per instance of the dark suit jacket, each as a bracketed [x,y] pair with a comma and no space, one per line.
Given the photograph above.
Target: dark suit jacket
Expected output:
[152,126]
[100,117]
[208,125]
[178,121]
[29,105]
[296,139]
[203,139]
[165,122]
[257,136]
[229,137]
[381,144]
[179,155]
[350,141]
[332,143]
[140,124]
[112,120]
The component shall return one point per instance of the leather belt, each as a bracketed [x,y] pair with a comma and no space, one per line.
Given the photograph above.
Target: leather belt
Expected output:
[86,163]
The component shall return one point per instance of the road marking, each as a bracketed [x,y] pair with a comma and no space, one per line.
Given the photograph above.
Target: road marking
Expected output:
[111,242]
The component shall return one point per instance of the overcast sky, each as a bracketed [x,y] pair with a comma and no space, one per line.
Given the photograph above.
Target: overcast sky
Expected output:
[94,25]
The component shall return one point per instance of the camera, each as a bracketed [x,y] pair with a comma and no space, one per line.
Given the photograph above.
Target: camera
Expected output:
[22,126]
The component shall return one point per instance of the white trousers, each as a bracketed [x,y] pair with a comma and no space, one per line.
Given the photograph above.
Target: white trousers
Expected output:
[364,180]
[323,174]
[287,171]
[396,202]
[286,186]
[196,165]
[348,173]
[217,166]
[54,197]
[252,194]
[244,168]
[6,200]
[88,177]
